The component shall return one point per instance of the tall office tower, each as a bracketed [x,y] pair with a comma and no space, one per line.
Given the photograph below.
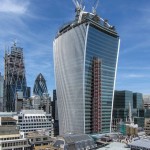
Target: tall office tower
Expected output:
[85,60]
[55,113]
[40,86]
[137,100]
[1,92]
[122,99]
[14,78]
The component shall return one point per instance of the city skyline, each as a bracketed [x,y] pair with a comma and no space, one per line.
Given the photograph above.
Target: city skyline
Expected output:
[35,27]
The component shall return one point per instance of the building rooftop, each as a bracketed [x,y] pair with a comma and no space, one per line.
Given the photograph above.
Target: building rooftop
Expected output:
[142,143]
[37,134]
[7,119]
[8,129]
[115,146]
[74,138]
[33,111]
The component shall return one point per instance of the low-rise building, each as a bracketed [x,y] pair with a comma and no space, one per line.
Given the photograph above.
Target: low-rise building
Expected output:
[39,138]
[75,141]
[147,126]
[10,137]
[32,120]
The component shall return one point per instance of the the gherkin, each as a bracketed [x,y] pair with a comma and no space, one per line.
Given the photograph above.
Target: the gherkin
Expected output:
[40,85]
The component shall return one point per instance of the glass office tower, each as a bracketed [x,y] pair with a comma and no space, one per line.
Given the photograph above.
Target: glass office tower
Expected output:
[40,86]
[14,78]
[85,61]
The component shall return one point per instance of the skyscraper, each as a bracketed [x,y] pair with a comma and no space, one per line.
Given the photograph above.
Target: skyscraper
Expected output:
[14,78]
[40,85]
[1,92]
[85,61]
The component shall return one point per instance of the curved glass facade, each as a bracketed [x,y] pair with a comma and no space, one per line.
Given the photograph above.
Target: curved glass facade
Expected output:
[81,82]
[40,86]
[69,66]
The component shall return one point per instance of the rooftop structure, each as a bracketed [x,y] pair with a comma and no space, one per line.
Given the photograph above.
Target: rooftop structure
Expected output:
[40,86]
[39,138]
[115,146]
[141,144]
[75,141]
[15,79]
[85,60]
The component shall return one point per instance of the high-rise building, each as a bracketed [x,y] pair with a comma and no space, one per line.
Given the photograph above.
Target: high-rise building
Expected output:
[55,114]
[137,100]
[1,92]
[122,101]
[14,78]
[40,86]
[85,60]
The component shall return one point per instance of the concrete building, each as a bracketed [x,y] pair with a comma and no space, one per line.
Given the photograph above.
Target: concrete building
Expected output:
[10,138]
[1,92]
[39,138]
[146,101]
[147,126]
[32,120]
[85,61]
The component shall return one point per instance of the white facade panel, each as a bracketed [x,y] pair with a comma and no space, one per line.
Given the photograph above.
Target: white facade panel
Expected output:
[69,65]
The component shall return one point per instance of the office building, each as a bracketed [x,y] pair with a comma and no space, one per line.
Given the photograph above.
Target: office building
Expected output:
[39,138]
[40,86]
[137,101]
[40,102]
[1,92]
[122,99]
[55,114]
[32,120]
[14,78]
[121,104]
[85,61]
[146,101]
[10,137]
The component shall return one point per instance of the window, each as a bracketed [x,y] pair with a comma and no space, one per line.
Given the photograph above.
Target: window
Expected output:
[45,138]
[38,139]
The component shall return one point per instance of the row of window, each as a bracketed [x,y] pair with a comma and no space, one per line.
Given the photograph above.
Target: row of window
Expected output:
[44,126]
[31,124]
[14,144]
[12,138]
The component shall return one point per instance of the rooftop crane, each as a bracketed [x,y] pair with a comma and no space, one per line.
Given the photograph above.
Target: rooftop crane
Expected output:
[78,4]
[95,6]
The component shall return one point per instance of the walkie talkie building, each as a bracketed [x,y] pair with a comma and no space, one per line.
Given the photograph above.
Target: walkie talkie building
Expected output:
[85,60]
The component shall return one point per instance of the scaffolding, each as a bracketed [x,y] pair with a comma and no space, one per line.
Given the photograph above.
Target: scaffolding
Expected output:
[96,96]
[14,78]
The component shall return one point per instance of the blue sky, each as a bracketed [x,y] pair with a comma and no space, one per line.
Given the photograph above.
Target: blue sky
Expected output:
[34,23]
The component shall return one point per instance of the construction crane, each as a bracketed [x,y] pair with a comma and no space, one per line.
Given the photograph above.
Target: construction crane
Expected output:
[78,4]
[95,6]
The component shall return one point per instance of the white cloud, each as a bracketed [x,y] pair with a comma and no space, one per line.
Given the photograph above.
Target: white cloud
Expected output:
[13,6]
